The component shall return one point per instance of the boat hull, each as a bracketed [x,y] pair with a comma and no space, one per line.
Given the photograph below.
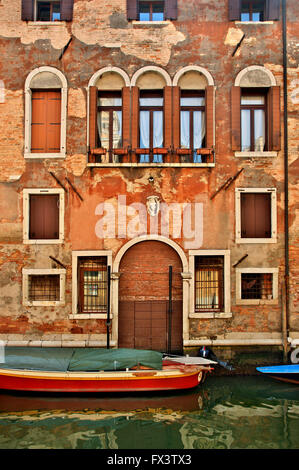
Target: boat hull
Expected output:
[287,373]
[89,382]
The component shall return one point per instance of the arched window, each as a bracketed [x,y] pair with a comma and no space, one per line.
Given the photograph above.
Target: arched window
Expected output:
[45,113]
[255,112]
[109,116]
[194,136]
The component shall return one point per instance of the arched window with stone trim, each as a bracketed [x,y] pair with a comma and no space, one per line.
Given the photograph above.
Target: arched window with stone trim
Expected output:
[109,116]
[45,113]
[194,115]
[151,115]
[255,112]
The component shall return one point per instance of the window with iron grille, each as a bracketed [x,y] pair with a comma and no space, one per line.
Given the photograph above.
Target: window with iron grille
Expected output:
[44,288]
[209,283]
[256,286]
[92,273]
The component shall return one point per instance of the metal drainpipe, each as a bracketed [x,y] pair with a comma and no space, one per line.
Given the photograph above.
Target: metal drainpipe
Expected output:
[286,175]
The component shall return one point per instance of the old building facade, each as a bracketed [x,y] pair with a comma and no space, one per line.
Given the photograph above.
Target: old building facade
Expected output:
[148,183]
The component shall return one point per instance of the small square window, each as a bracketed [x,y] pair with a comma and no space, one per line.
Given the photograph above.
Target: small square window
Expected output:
[43,287]
[256,286]
[252,10]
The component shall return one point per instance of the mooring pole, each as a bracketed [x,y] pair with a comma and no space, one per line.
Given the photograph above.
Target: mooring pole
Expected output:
[170,310]
[108,305]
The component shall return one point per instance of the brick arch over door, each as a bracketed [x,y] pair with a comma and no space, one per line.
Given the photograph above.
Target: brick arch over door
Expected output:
[144,321]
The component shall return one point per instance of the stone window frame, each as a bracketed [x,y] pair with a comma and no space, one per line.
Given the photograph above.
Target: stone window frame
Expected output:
[28,113]
[43,303]
[273,271]
[227,284]
[241,74]
[26,208]
[75,288]
[273,238]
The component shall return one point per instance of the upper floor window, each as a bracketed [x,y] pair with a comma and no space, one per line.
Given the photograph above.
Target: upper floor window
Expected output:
[253,121]
[152,10]
[151,123]
[192,121]
[254,10]
[110,121]
[47,11]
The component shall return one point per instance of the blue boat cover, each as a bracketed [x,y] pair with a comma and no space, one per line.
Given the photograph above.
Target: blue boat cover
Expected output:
[285,369]
[79,359]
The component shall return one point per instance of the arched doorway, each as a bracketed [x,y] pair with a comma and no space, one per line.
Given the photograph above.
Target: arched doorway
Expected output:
[147,318]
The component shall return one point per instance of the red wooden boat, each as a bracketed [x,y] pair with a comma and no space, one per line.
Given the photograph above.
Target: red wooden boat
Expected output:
[141,376]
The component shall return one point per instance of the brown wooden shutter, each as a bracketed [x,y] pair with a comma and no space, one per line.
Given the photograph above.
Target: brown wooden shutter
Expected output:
[135,117]
[167,116]
[46,121]
[255,215]
[44,217]
[176,117]
[27,10]
[93,133]
[126,116]
[66,10]
[171,9]
[132,10]
[274,118]
[234,10]
[272,10]
[210,98]
[236,117]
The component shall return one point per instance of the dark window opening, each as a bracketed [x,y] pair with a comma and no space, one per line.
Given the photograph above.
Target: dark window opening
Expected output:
[209,283]
[151,11]
[109,121]
[192,122]
[92,274]
[44,216]
[256,215]
[151,124]
[253,120]
[252,10]
[48,11]
[44,287]
[256,286]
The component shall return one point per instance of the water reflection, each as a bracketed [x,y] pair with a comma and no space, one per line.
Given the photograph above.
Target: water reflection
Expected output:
[225,413]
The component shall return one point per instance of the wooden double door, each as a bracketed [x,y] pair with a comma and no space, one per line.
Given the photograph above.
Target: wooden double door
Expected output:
[149,317]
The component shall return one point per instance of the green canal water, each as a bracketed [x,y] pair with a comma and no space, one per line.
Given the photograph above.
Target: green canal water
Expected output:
[224,413]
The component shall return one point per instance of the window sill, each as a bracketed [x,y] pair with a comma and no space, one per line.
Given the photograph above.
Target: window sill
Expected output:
[256,154]
[179,165]
[256,240]
[150,23]
[210,315]
[46,23]
[254,22]
[37,156]
[43,303]
[256,302]
[89,316]
[43,242]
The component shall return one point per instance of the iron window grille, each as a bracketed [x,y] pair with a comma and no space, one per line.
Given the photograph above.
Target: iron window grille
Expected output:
[44,287]
[92,284]
[209,283]
[257,286]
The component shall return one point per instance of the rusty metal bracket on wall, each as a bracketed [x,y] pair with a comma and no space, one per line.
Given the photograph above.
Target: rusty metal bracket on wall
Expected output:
[227,184]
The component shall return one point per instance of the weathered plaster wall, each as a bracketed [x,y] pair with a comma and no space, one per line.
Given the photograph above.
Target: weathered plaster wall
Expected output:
[101,36]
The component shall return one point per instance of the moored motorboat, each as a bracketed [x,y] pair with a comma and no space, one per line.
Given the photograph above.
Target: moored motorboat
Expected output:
[286,373]
[96,370]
